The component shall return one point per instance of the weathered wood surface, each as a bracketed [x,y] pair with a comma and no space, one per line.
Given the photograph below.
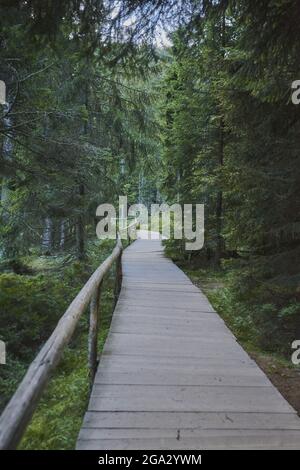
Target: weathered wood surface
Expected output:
[172,375]
[22,405]
[93,333]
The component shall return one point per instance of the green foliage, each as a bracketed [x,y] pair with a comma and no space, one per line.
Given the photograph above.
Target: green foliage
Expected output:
[57,420]
[263,313]
[30,317]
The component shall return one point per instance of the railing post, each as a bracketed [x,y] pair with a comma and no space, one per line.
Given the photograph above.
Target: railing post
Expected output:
[118,281]
[93,333]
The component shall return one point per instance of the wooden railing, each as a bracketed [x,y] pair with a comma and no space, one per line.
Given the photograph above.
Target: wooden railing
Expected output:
[16,416]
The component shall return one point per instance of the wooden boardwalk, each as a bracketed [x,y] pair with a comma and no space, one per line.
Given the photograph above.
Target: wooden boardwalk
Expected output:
[172,375]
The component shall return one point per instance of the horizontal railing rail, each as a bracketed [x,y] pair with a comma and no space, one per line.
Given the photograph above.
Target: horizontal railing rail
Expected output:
[17,414]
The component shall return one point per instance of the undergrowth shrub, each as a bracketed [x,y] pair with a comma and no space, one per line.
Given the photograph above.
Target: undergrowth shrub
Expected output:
[267,308]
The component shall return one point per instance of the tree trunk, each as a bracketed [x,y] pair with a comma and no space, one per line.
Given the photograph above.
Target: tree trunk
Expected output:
[80,227]
[7,150]
[62,235]
[219,204]
[47,240]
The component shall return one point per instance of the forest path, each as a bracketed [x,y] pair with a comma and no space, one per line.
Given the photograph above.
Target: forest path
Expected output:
[172,375]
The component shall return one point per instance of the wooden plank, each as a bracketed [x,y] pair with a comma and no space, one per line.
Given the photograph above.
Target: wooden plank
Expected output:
[146,375]
[167,318]
[259,441]
[157,345]
[170,325]
[166,330]
[131,307]
[187,398]
[183,433]
[186,433]
[183,420]
[169,288]
[179,362]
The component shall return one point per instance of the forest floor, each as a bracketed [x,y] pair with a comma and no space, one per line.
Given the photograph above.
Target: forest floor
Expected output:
[280,371]
[285,377]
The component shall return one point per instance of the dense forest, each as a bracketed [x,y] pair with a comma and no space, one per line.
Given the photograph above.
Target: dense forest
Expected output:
[161,101]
